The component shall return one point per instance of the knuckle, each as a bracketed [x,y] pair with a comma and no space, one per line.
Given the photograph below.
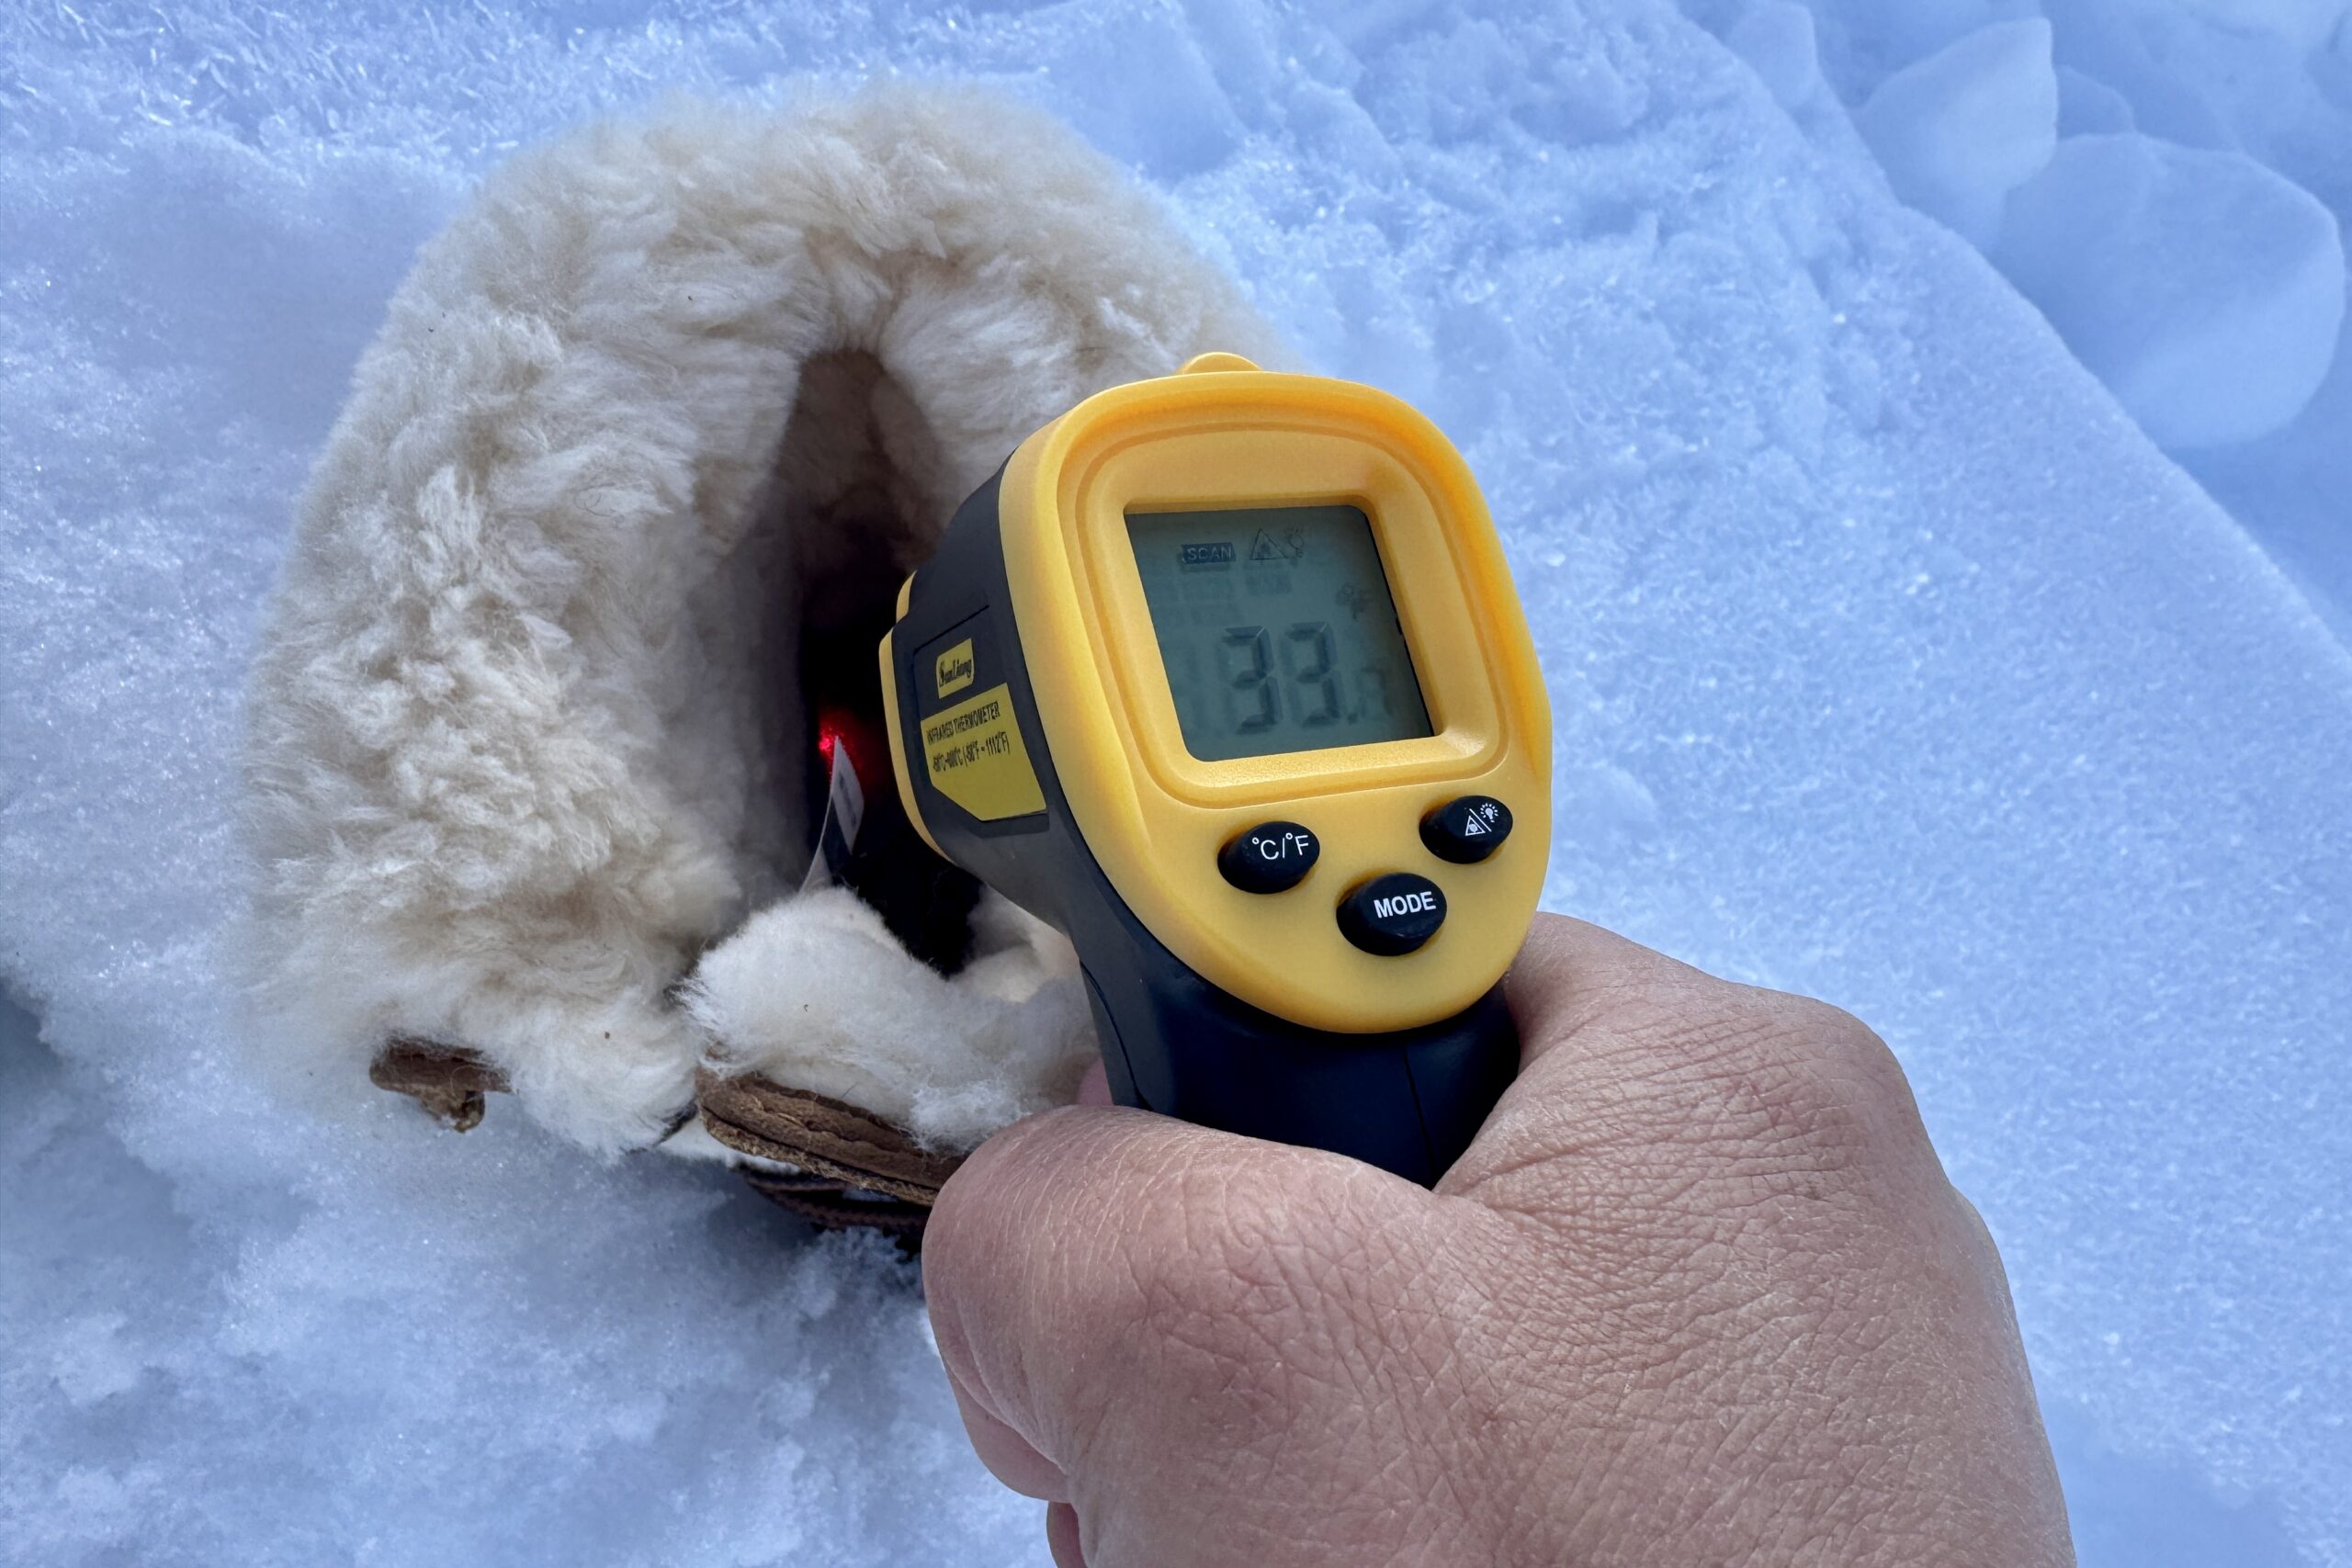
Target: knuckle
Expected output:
[1820,1080]
[1701,1088]
[1833,1058]
[1765,1073]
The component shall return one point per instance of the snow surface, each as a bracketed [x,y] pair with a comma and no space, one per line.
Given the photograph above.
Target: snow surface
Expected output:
[2270,80]
[2205,290]
[1891,662]
[1958,131]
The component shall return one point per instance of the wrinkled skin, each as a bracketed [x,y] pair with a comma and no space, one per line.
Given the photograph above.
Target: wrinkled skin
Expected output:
[1699,1294]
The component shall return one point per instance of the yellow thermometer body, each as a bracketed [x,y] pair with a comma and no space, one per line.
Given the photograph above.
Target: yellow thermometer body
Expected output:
[1224,675]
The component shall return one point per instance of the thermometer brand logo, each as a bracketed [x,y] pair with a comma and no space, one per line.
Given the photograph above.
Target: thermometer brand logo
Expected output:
[954,670]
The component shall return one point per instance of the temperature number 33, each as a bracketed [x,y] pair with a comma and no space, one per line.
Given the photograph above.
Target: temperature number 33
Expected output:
[1253,699]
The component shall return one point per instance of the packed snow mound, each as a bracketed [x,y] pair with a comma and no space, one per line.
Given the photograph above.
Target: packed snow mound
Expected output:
[2088,106]
[2227,311]
[1888,660]
[2206,292]
[2267,80]
[2299,24]
[1959,130]
[1775,36]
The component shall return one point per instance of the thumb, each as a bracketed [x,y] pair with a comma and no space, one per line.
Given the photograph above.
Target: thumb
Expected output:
[1089,1270]
[1033,1268]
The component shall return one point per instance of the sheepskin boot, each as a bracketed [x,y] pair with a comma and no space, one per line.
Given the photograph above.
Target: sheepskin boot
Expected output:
[562,768]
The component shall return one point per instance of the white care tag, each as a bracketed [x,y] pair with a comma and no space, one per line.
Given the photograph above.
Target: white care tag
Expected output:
[844,814]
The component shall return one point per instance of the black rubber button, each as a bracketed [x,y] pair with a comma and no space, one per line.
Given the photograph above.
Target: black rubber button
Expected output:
[1272,857]
[1393,914]
[1467,829]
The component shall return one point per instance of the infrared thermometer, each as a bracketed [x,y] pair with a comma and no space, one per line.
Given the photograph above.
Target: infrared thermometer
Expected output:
[1223,675]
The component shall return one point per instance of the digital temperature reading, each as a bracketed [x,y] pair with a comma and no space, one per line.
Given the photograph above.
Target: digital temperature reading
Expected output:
[1277,628]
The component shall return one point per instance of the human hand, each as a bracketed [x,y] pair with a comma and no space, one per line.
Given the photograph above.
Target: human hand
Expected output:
[1699,1293]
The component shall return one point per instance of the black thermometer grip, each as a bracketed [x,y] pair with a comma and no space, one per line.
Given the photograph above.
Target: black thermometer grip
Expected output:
[1408,1101]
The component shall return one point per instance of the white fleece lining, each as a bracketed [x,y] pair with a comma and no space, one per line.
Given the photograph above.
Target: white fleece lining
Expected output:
[835,1005]
[524,726]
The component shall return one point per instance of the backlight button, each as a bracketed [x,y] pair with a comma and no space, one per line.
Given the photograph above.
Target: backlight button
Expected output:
[1467,829]
[1393,914]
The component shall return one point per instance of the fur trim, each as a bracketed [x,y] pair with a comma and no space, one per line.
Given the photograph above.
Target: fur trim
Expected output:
[816,994]
[525,732]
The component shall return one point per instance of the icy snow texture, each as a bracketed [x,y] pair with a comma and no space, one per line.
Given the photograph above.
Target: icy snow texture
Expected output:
[2204,290]
[1888,660]
[2267,79]
[1959,130]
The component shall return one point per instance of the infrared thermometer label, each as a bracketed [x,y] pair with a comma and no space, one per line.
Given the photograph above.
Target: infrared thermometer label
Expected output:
[974,750]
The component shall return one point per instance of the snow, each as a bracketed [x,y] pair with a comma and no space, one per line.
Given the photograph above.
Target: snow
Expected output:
[1775,36]
[1891,662]
[2206,292]
[2267,79]
[1958,131]
[2088,106]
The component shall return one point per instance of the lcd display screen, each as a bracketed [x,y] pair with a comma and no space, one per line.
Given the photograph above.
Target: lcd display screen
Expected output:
[1277,628]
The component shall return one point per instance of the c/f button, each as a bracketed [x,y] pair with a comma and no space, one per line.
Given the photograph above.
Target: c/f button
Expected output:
[1272,857]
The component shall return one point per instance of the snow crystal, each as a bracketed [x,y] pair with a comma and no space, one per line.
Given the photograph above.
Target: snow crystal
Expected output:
[2206,290]
[1959,130]
[1889,662]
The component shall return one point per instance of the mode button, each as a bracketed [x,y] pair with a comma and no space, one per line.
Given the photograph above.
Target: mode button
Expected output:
[1393,914]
